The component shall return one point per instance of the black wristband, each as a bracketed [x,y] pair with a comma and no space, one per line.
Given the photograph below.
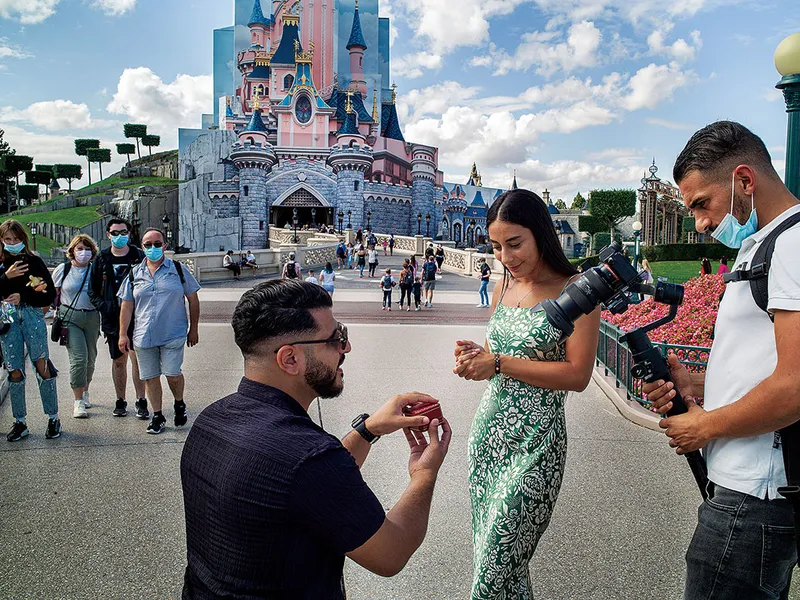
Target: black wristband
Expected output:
[497,364]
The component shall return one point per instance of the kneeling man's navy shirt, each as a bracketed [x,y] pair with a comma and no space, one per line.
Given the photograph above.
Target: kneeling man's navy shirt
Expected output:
[272,501]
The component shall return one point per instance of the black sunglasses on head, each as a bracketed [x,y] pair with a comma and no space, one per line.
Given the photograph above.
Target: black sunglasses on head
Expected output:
[153,245]
[339,337]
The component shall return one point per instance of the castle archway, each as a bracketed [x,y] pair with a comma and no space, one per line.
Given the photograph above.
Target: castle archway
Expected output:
[312,208]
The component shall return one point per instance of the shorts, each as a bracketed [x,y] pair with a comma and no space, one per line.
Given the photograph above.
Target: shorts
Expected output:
[429,285]
[112,339]
[161,360]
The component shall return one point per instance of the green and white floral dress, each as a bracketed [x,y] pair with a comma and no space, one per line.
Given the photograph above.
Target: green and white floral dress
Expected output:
[517,451]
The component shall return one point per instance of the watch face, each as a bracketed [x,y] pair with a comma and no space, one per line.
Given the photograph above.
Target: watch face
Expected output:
[358,420]
[303,109]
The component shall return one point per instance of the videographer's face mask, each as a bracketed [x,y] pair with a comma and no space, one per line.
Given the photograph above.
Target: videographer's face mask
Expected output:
[732,233]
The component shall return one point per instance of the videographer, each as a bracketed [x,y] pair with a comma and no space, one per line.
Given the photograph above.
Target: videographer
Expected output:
[743,546]
[273,502]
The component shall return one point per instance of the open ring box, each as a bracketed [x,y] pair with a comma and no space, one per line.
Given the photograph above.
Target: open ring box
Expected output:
[432,410]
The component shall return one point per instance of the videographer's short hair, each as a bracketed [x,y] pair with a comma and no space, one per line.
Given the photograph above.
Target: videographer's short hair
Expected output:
[274,309]
[116,221]
[720,147]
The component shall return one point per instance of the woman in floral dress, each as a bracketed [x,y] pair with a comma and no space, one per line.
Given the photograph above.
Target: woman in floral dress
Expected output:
[518,440]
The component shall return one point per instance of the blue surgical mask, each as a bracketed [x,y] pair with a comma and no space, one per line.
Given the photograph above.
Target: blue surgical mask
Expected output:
[154,253]
[14,248]
[732,233]
[120,241]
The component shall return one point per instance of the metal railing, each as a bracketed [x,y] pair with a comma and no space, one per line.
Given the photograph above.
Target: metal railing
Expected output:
[615,357]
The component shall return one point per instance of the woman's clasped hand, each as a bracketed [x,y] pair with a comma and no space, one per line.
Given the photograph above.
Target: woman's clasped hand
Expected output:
[472,361]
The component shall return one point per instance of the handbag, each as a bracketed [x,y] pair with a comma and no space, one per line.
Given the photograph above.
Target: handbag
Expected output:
[59,332]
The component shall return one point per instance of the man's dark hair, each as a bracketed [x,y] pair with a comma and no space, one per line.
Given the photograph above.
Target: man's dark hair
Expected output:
[276,308]
[116,221]
[149,229]
[720,147]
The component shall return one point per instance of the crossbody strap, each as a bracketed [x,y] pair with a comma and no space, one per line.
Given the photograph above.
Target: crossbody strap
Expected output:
[71,306]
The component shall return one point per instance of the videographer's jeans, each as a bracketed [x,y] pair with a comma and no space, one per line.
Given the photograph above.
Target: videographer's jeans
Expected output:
[484,291]
[743,547]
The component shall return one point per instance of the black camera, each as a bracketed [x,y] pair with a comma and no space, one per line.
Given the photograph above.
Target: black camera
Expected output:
[612,284]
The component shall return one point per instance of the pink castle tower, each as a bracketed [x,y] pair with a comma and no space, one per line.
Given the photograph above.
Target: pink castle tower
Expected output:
[356,45]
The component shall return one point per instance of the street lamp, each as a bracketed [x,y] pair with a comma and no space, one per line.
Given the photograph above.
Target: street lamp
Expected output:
[428,225]
[165,225]
[33,235]
[637,234]
[313,218]
[787,62]
[369,217]
[349,214]
[294,222]
[341,220]
[419,223]
[472,233]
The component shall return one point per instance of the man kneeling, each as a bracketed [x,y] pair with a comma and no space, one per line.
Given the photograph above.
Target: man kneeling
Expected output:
[273,502]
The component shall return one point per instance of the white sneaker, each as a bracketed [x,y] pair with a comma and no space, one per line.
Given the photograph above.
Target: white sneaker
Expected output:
[479,305]
[79,412]
[86,402]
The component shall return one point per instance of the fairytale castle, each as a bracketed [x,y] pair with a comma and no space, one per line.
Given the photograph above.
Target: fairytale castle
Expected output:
[307,126]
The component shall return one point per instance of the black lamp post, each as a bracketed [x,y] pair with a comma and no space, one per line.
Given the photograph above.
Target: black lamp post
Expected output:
[369,218]
[313,218]
[294,222]
[472,233]
[341,220]
[428,225]
[349,214]
[167,232]
[419,223]
[33,236]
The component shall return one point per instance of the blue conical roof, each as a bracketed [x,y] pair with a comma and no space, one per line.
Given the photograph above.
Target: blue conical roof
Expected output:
[256,124]
[478,199]
[257,17]
[356,36]
[284,55]
[349,127]
[229,111]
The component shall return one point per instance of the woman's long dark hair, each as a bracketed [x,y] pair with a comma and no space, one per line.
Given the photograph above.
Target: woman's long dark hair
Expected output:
[525,208]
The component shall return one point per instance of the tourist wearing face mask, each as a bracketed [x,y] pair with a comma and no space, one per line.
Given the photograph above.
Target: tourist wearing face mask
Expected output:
[154,295]
[744,544]
[26,283]
[80,317]
[111,268]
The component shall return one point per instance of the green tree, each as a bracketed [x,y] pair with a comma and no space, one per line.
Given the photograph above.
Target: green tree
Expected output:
[560,204]
[134,130]
[38,178]
[14,164]
[28,192]
[127,150]
[5,177]
[82,148]
[99,156]
[612,206]
[68,172]
[578,202]
[151,141]
[591,225]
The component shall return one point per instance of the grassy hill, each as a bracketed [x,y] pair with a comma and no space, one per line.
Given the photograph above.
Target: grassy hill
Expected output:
[70,217]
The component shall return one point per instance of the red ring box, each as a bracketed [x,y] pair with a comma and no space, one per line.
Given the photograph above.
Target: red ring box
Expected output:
[432,410]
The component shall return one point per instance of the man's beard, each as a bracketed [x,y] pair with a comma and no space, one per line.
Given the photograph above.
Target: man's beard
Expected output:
[323,379]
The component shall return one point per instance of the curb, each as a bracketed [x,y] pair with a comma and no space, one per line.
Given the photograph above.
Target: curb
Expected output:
[630,409]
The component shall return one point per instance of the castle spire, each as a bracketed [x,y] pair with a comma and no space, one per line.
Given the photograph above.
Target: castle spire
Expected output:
[394,93]
[374,103]
[257,16]
[514,183]
[356,35]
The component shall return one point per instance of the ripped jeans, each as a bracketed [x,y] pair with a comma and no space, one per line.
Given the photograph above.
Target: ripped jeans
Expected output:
[28,329]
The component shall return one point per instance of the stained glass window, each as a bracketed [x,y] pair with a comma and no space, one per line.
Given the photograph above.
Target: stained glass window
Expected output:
[303,109]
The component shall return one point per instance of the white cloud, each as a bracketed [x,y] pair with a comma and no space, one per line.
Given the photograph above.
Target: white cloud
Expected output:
[772,95]
[543,51]
[563,178]
[7,50]
[669,124]
[164,107]
[115,7]
[680,50]
[28,11]
[654,83]
[411,65]
[55,115]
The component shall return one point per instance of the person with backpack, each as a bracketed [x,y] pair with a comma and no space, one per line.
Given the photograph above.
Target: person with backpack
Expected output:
[154,296]
[429,280]
[291,270]
[111,267]
[406,283]
[341,255]
[483,291]
[26,284]
[327,278]
[745,543]
[373,260]
[391,244]
[80,318]
[416,289]
[387,283]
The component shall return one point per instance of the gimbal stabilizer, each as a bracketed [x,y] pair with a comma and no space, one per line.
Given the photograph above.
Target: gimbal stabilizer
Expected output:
[610,284]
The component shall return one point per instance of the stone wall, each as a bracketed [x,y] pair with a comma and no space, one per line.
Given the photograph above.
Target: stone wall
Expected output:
[253,207]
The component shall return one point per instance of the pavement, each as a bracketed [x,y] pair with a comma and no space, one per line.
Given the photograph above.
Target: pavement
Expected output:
[98,513]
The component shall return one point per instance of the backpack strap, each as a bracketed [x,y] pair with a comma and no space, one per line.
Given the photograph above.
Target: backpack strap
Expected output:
[179,269]
[67,267]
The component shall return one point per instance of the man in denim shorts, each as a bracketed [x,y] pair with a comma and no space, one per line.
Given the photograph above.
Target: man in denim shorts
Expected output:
[154,294]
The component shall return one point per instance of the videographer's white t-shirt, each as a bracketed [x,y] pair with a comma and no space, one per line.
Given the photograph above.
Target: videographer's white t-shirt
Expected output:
[743,355]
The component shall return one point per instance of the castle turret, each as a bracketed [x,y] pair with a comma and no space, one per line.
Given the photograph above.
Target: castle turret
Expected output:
[254,158]
[350,159]
[259,26]
[356,47]
[423,181]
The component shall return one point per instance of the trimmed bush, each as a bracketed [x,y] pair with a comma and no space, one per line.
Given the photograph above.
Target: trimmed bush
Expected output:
[603,239]
[664,252]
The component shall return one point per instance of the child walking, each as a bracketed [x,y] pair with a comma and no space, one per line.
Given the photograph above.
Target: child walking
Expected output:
[416,289]
[387,283]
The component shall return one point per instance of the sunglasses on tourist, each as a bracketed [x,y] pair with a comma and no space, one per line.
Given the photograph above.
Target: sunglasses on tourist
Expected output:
[116,233]
[339,337]
[153,245]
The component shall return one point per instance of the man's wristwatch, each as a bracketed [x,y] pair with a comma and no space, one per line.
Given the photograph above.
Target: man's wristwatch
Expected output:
[360,425]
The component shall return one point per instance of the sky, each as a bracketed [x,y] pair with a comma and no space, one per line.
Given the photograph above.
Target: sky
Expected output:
[572,95]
